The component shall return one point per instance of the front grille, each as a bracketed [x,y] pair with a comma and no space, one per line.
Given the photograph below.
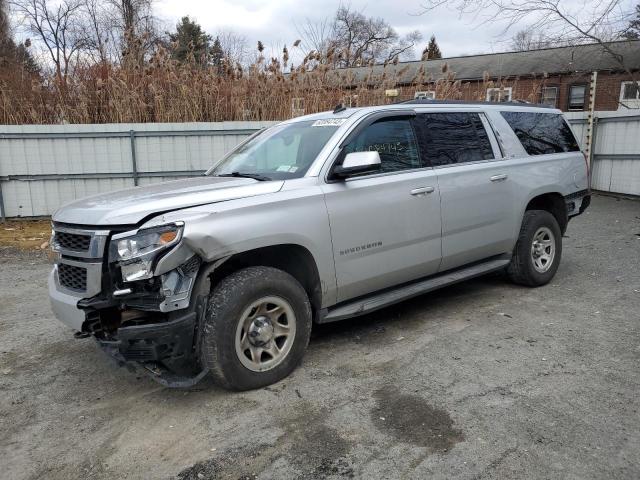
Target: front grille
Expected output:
[73,241]
[72,277]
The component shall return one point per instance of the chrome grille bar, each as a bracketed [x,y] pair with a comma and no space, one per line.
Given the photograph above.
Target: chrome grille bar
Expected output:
[79,266]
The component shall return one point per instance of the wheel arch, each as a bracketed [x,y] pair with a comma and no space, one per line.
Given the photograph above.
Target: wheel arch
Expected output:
[554,203]
[294,259]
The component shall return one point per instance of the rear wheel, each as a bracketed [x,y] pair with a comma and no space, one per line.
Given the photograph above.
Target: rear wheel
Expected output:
[256,328]
[538,250]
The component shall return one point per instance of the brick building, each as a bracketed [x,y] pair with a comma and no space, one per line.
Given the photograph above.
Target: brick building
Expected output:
[559,77]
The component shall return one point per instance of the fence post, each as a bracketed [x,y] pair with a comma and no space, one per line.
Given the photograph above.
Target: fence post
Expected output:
[134,164]
[590,115]
[592,149]
[2,213]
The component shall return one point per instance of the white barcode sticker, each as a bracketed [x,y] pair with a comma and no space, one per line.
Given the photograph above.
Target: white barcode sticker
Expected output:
[329,122]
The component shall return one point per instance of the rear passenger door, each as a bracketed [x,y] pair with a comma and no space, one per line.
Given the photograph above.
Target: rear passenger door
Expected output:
[476,194]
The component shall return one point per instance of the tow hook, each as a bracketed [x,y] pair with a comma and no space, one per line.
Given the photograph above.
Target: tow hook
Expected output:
[79,335]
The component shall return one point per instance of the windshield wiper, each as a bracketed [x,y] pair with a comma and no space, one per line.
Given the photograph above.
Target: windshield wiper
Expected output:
[255,176]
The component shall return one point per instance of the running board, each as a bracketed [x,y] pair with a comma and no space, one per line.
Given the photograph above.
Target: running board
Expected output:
[389,297]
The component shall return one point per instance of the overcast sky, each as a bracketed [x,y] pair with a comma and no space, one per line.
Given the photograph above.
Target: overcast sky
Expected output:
[274,21]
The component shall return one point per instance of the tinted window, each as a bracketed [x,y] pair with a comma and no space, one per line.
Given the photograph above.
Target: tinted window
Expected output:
[393,140]
[542,133]
[447,138]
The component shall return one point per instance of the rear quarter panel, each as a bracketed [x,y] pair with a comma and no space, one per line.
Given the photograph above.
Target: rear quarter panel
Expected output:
[534,175]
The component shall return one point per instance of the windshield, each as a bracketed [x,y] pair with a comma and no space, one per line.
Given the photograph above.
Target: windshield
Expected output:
[278,153]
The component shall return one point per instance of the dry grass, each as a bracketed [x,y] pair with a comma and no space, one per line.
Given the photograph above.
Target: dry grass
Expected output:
[163,90]
[25,234]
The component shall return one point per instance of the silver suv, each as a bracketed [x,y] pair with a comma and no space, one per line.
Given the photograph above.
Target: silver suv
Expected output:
[317,219]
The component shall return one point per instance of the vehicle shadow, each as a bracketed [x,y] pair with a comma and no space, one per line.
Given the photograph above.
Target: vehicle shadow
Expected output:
[406,313]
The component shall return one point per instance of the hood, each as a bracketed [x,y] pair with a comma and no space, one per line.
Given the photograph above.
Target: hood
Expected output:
[130,206]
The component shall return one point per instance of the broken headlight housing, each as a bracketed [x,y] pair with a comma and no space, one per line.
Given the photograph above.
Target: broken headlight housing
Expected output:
[136,252]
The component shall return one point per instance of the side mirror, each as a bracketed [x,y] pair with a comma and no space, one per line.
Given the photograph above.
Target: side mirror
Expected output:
[357,162]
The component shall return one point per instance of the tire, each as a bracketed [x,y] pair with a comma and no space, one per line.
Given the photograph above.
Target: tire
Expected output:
[256,328]
[540,236]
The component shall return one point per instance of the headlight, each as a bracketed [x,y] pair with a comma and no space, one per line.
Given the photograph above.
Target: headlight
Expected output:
[136,252]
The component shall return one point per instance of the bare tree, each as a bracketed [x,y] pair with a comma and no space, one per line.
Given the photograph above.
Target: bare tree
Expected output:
[362,40]
[56,26]
[135,28]
[315,35]
[234,46]
[100,31]
[528,39]
[352,39]
[598,21]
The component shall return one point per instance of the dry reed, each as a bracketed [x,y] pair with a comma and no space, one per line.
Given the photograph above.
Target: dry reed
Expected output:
[163,90]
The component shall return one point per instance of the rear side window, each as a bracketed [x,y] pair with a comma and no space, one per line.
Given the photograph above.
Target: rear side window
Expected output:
[542,133]
[394,140]
[450,138]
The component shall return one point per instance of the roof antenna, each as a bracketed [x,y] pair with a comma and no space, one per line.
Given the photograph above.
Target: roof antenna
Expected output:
[339,108]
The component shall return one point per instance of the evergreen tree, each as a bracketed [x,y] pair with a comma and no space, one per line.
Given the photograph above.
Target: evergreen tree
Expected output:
[190,40]
[633,30]
[14,58]
[216,55]
[7,47]
[433,50]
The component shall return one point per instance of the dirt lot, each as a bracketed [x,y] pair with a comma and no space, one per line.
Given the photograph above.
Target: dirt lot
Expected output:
[480,380]
[25,234]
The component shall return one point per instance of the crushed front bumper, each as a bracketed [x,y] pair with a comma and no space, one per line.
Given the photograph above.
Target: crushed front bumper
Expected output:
[161,350]
[155,342]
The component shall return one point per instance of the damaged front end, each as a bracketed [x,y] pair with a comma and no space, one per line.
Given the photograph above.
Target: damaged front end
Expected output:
[145,306]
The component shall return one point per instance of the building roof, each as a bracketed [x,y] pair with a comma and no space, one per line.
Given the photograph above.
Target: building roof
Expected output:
[566,60]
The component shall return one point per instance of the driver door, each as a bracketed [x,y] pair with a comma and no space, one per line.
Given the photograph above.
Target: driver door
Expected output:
[385,225]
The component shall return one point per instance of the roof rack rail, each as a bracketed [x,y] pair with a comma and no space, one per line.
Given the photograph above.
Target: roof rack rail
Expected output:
[423,101]
[339,108]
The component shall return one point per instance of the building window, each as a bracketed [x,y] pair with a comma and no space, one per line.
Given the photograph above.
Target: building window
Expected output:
[425,95]
[630,95]
[549,96]
[577,97]
[502,94]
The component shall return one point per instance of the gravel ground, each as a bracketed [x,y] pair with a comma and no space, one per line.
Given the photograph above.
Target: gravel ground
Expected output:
[480,380]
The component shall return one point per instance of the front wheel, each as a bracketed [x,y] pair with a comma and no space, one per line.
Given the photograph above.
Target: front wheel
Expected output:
[256,328]
[538,250]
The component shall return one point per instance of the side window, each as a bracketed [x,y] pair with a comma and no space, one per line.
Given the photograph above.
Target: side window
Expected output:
[542,133]
[449,138]
[393,139]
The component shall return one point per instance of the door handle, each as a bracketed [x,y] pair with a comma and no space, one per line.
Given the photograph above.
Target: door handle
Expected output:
[422,190]
[498,178]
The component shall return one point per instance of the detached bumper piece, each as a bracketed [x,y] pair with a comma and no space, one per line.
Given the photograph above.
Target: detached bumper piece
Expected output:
[162,350]
[158,341]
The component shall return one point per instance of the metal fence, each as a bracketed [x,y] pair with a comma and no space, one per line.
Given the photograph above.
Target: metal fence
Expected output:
[615,161]
[45,166]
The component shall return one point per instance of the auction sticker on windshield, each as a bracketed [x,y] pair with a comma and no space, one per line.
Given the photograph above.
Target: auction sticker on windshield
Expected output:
[329,122]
